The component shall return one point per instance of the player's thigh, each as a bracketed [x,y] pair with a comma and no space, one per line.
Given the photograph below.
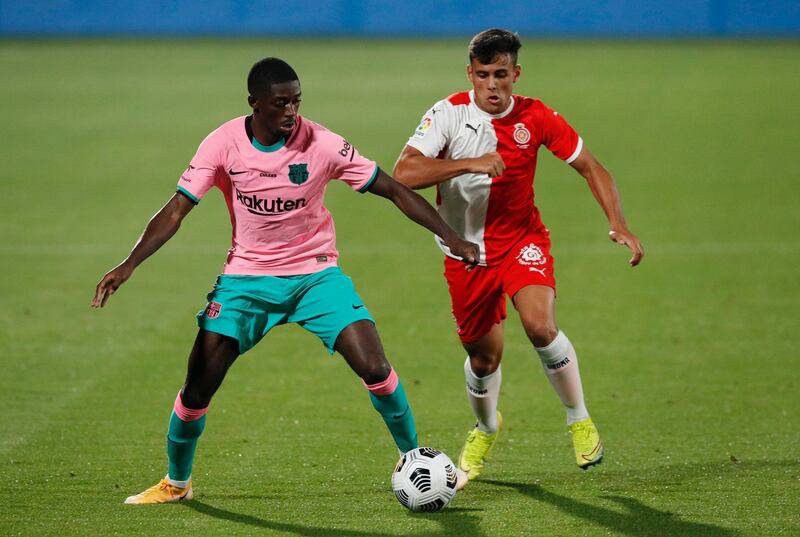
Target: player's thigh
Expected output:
[244,308]
[528,263]
[328,303]
[536,307]
[361,348]
[478,302]
[486,352]
[529,279]
[209,360]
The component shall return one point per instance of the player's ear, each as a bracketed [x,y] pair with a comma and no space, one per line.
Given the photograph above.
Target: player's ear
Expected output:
[252,102]
[469,73]
[517,71]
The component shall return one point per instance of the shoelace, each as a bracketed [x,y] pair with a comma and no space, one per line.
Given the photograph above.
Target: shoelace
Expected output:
[476,439]
[583,436]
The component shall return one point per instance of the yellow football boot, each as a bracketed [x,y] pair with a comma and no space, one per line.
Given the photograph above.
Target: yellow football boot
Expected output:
[477,449]
[162,492]
[588,446]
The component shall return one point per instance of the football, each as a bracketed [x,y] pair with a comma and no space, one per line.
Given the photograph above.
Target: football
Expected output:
[424,480]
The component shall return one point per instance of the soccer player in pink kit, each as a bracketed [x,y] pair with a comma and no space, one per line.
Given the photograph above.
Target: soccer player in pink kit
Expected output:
[272,168]
[479,148]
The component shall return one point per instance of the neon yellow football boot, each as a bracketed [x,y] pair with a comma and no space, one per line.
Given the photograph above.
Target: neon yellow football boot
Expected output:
[162,492]
[477,449]
[588,446]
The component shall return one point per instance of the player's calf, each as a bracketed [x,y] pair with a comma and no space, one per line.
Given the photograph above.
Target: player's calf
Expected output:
[560,364]
[389,399]
[185,427]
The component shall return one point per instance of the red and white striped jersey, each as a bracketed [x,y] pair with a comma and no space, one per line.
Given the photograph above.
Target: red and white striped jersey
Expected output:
[493,212]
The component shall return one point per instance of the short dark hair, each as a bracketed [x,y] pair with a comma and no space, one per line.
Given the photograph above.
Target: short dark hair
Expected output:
[267,72]
[489,44]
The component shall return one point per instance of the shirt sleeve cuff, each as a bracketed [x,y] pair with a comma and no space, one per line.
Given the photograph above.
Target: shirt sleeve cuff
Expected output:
[194,199]
[419,145]
[577,152]
[372,180]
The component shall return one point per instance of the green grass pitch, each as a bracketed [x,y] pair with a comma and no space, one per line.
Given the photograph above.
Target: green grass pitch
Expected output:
[690,362]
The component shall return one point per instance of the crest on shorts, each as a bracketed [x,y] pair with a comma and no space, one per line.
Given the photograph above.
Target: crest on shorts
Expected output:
[531,255]
[213,309]
[522,135]
[298,173]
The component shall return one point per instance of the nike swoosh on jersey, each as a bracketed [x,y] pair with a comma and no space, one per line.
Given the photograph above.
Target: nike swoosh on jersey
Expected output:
[231,172]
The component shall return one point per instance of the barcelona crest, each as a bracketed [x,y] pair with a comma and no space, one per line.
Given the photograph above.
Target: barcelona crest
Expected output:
[298,173]
[213,309]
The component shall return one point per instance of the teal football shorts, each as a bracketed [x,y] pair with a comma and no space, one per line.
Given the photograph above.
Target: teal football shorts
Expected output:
[247,307]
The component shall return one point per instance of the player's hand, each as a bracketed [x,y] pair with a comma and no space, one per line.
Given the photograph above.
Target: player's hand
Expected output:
[491,164]
[467,251]
[110,283]
[626,238]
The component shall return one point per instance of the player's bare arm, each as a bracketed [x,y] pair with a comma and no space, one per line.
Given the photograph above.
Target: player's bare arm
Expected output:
[605,192]
[420,211]
[159,230]
[416,171]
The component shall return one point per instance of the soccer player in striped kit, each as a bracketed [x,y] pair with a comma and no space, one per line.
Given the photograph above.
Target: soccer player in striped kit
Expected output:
[479,149]
[273,167]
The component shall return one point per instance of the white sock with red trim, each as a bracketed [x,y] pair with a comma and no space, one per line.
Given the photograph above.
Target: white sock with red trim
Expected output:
[483,393]
[560,363]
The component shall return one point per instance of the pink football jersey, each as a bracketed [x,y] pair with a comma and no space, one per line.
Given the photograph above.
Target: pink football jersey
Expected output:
[494,212]
[275,194]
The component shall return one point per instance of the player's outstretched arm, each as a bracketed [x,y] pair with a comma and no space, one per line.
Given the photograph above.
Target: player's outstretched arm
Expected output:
[415,170]
[159,230]
[420,211]
[605,192]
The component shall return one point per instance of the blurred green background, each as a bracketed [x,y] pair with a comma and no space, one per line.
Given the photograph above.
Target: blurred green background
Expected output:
[690,361]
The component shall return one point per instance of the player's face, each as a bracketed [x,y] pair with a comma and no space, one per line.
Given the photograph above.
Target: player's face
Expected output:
[277,112]
[493,82]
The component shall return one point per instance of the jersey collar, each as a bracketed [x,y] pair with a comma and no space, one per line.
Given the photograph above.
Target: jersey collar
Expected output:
[280,144]
[268,148]
[487,114]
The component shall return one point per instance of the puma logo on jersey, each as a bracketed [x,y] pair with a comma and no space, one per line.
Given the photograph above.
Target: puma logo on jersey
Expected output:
[471,127]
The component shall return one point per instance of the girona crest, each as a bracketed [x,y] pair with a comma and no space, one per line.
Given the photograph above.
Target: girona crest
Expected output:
[522,135]
[531,255]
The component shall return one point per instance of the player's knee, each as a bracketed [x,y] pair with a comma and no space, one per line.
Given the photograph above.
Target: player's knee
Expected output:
[484,363]
[557,354]
[376,371]
[193,398]
[541,331]
[186,415]
[383,387]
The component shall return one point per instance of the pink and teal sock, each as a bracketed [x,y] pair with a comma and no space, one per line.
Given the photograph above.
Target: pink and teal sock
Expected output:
[389,399]
[185,427]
